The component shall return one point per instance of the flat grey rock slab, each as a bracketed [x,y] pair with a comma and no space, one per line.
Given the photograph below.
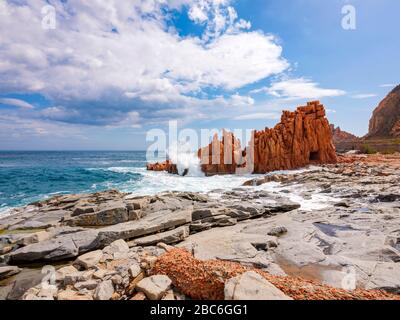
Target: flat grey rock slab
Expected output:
[168,237]
[252,286]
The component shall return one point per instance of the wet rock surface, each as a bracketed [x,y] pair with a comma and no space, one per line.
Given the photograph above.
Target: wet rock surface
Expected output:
[337,224]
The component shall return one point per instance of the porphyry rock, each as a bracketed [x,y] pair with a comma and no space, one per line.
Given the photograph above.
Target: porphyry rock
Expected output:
[301,138]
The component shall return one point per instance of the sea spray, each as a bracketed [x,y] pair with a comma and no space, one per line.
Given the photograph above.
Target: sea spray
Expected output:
[185,159]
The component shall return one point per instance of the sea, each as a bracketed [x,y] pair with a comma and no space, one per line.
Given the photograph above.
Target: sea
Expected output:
[29,176]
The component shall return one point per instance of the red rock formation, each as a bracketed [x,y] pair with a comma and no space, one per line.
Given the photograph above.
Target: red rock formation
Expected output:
[221,157]
[301,138]
[386,117]
[163,166]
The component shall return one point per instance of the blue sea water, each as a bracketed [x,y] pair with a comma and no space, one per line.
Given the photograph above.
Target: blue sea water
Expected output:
[29,176]
[26,177]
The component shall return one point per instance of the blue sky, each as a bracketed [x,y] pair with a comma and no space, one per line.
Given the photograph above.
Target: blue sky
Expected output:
[111,70]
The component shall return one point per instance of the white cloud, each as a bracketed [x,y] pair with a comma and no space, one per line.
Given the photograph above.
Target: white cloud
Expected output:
[83,57]
[16,103]
[388,85]
[238,100]
[258,116]
[121,56]
[300,88]
[218,16]
[364,95]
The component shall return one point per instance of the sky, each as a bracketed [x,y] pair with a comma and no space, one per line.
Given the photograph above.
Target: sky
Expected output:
[99,74]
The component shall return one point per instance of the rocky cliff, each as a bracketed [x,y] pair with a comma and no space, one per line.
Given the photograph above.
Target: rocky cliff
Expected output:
[338,135]
[344,141]
[385,121]
[302,137]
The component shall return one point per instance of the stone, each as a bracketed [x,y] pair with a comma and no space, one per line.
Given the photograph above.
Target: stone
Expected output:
[82,210]
[104,290]
[80,276]
[136,203]
[5,249]
[25,280]
[90,259]
[53,249]
[117,280]
[252,286]
[134,270]
[102,273]
[60,248]
[277,231]
[89,285]
[164,246]
[71,295]
[117,246]
[113,213]
[154,287]
[64,271]
[168,237]
[8,271]
[151,224]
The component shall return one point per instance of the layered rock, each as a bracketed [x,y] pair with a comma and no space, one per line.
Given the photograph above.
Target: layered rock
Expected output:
[385,121]
[221,157]
[301,138]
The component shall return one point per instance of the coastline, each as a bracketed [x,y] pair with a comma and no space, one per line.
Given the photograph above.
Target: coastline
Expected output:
[262,223]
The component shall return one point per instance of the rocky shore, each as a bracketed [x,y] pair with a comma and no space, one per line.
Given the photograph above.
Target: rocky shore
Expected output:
[323,232]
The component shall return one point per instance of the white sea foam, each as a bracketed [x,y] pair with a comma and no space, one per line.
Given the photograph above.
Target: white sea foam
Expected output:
[187,162]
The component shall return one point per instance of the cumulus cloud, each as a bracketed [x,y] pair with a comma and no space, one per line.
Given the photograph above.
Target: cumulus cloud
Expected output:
[300,88]
[16,103]
[107,59]
[218,16]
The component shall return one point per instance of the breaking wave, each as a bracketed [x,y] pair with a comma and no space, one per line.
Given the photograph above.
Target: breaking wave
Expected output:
[187,162]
